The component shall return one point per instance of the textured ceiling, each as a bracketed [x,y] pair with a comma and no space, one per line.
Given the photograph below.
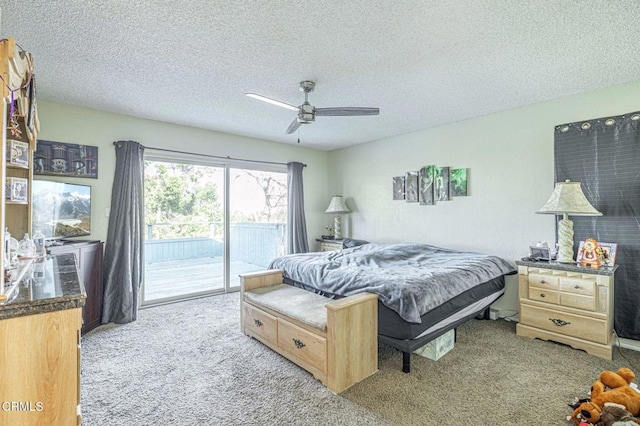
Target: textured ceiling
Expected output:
[423,63]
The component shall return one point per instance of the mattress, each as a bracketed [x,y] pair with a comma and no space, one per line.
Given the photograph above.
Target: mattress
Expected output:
[391,325]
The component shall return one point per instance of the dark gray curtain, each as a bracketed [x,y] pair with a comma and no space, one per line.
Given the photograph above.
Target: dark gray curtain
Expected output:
[604,156]
[125,237]
[296,223]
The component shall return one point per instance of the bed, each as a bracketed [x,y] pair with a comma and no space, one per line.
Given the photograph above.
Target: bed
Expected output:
[423,291]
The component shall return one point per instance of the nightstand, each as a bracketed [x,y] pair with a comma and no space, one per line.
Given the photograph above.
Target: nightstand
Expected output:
[328,245]
[568,304]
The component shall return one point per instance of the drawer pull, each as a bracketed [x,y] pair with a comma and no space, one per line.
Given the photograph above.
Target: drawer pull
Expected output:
[257,322]
[543,295]
[298,343]
[576,286]
[559,322]
[542,282]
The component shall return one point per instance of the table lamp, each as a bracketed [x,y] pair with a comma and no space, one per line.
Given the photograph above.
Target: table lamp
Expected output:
[337,206]
[567,200]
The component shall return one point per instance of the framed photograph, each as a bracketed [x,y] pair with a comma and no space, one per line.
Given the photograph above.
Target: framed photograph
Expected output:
[459,182]
[606,252]
[609,253]
[65,159]
[398,188]
[17,153]
[411,187]
[425,185]
[17,190]
[442,184]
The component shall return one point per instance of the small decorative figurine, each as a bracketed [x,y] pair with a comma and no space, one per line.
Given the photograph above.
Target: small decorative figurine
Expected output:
[591,254]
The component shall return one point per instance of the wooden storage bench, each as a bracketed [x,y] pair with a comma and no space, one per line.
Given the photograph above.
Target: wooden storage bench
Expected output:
[335,340]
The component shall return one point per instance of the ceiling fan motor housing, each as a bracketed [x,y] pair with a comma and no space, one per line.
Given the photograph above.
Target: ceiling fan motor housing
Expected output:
[307,114]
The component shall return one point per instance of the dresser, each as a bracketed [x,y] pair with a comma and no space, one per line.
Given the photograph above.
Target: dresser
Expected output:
[567,304]
[328,245]
[40,354]
[88,256]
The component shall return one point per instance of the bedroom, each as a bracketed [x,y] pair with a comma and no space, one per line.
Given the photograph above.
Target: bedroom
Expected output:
[509,154]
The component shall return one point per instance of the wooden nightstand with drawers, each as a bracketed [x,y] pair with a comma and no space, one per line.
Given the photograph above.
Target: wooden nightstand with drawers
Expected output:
[328,245]
[567,304]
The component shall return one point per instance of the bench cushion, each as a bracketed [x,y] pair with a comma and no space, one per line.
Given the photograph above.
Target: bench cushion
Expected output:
[301,305]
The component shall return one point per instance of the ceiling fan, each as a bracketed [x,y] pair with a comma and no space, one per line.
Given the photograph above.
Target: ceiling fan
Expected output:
[307,112]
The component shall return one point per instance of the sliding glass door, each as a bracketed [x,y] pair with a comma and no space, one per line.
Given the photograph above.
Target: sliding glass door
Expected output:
[258,219]
[208,223]
[184,216]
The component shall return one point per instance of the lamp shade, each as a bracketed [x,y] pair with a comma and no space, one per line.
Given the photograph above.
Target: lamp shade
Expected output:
[337,205]
[568,198]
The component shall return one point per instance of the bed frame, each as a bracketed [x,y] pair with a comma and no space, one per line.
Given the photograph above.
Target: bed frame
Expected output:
[407,346]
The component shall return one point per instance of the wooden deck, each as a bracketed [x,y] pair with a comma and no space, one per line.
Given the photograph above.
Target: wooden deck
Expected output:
[182,277]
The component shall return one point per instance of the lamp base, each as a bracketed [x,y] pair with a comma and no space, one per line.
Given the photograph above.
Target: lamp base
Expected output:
[565,241]
[337,228]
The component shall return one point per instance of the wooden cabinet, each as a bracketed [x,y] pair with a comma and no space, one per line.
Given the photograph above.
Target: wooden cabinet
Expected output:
[328,245]
[567,304]
[40,369]
[89,261]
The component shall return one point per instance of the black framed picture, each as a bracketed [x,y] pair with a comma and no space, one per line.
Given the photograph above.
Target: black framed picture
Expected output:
[65,159]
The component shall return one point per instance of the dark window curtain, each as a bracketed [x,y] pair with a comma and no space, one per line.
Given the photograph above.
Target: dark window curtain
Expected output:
[296,223]
[125,237]
[604,156]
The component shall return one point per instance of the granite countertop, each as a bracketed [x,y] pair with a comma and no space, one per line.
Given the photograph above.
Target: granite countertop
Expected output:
[50,284]
[571,267]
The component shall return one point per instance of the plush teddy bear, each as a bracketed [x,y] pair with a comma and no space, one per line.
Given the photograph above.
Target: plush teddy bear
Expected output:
[619,392]
[615,415]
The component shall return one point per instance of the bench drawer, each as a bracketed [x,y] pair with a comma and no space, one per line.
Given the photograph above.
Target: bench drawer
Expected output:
[260,323]
[303,346]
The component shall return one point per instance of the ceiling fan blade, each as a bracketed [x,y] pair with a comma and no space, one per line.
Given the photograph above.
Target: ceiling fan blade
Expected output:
[293,126]
[347,111]
[272,101]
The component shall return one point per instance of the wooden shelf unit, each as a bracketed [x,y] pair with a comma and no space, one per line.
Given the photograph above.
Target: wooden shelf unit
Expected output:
[16,216]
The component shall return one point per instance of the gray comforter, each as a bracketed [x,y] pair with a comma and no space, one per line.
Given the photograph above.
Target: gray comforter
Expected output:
[409,278]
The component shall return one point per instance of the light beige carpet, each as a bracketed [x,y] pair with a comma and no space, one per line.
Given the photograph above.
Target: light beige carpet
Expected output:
[188,364]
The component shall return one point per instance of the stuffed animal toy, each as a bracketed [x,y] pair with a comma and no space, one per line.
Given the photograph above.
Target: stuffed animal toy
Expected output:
[615,415]
[619,392]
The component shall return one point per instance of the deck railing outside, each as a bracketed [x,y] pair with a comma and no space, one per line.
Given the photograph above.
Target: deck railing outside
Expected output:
[256,243]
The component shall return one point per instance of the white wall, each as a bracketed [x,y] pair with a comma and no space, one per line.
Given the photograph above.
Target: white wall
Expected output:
[63,123]
[510,160]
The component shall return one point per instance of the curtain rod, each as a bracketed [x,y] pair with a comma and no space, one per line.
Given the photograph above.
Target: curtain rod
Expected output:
[213,156]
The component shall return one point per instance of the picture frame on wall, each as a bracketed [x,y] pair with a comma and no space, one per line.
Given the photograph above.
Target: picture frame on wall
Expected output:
[398,187]
[411,187]
[425,185]
[442,184]
[65,159]
[459,182]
